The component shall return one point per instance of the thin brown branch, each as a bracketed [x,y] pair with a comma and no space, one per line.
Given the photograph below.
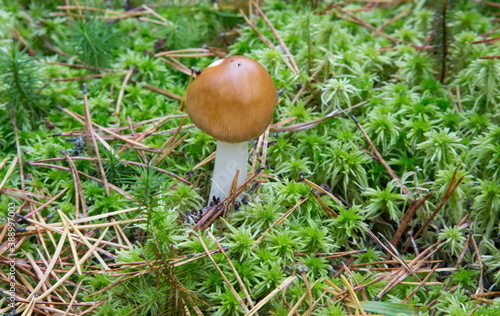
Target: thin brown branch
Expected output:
[300,127]
[231,288]
[88,121]
[17,36]
[150,130]
[74,7]
[451,188]
[14,125]
[80,66]
[420,284]
[278,37]
[80,119]
[407,217]
[390,21]
[240,282]
[487,40]
[81,78]
[77,187]
[478,255]
[211,215]
[489,57]
[9,172]
[265,40]
[122,90]
[158,90]
[488,3]
[117,189]
[133,163]
[47,203]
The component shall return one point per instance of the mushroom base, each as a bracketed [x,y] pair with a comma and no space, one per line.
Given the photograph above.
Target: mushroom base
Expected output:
[229,158]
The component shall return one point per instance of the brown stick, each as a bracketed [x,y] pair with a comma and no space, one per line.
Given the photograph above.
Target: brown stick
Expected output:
[79,66]
[134,135]
[478,255]
[453,100]
[117,189]
[9,192]
[490,57]
[451,188]
[459,98]
[47,203]
[393,19]
[171,145]
[211,215]
[359,21]
[487,40]
[133,163]
[175,65]
[80,119]
[421,283]
[79,196]
[17,36]
[82,77]
[278,37]
[492,4]
[405,221]
[88,121]
[150,130]
[300,127]
[265,40]
[14,125]
[160,91]
[122,91]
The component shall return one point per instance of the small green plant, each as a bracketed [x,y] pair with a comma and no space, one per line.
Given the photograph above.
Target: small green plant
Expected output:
[241,241]
[383,202]
[294,167]
[285,244]
[347,224]
[183,197]
[229,304]
[453,239]
[415,68]
[270,276]
[20,77]
[337,92]
[467,279]
[485,77]
[383,128]
[451,304]
[93,40]
[485,151]
[316,267]
[344,162]
[442,148]
[315,238]
[487,204]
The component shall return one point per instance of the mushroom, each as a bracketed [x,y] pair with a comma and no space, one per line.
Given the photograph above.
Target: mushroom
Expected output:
[232,100]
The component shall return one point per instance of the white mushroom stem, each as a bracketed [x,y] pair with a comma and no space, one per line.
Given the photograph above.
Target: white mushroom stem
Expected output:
[229,158]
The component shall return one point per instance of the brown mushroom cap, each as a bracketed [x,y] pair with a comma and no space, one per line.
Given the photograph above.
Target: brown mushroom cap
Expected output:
[232,100]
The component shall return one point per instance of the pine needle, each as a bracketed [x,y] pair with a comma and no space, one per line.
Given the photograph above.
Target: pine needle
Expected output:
[269,296]
[231,288]
[9,172]
[355,300]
